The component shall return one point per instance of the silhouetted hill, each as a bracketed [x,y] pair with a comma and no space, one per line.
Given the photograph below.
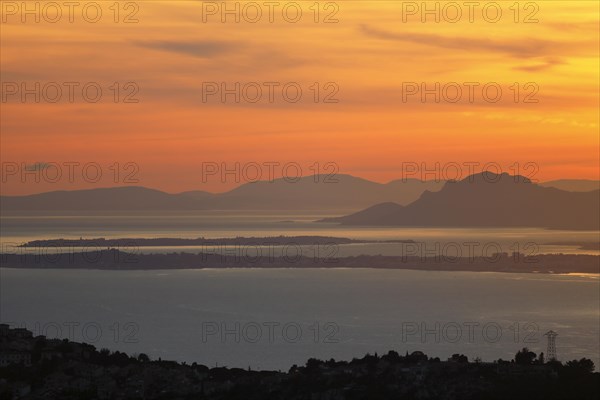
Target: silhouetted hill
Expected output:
[488,200]
[109,199]
[319,192]
[573,185]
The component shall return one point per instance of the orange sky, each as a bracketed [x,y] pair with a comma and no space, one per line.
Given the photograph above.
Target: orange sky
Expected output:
[370,55]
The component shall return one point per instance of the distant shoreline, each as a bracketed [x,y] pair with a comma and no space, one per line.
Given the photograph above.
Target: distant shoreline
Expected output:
[113,259]
[574,274]
[580,245]
[176,242]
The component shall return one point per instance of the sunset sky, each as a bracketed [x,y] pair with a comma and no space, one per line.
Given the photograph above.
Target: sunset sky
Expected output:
[369,54]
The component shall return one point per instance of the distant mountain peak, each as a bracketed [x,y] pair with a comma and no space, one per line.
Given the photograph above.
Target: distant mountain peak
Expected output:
[491,177]
[488,200]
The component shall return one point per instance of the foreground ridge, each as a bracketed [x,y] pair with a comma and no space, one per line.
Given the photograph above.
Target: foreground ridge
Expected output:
[41,368]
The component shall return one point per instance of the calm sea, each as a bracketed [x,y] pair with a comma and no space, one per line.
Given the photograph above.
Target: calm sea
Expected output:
[273,318]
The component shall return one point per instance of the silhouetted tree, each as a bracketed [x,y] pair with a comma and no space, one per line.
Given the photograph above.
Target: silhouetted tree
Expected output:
[392,356]
[541,359]
[312,365]
[583,366]
[461,358]
[525,356]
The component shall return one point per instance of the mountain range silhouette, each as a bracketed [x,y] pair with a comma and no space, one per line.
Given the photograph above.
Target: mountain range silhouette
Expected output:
[488,200]
[480,200]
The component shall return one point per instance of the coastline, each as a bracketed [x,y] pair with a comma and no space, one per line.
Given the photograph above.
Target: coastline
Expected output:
[551,264]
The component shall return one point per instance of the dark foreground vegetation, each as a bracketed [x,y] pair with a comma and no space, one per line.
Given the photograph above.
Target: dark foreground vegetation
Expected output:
[34,368]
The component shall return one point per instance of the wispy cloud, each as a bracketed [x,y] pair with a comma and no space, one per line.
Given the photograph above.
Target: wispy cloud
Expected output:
[583,26]
[545,64]
[523,48]
[201,49]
